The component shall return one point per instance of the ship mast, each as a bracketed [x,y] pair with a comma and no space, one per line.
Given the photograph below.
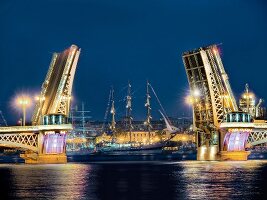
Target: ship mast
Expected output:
[147,122]
[129,118]
[112,111]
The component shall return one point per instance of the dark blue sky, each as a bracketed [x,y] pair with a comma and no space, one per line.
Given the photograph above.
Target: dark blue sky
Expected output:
[129,40]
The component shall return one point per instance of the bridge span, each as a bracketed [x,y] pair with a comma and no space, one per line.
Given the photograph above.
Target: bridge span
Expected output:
[45,140]
[222,130]
[42,143]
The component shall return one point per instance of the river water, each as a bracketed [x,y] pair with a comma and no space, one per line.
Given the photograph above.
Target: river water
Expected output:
[135,180]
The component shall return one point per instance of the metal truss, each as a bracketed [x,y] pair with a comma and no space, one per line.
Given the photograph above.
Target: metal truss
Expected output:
[56,90]
[36,117]
[20,140]
[257,137]
[210,90]
[215,86]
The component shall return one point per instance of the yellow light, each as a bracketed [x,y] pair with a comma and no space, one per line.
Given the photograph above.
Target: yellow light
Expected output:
[189,100]
[239,130]
[23,100]
[38,98]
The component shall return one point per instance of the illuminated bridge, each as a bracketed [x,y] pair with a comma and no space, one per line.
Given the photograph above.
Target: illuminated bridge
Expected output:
[239,128]
[219,136]
[45,140]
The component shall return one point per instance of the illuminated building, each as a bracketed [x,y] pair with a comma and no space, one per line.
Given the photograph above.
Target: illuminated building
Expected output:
[247,103]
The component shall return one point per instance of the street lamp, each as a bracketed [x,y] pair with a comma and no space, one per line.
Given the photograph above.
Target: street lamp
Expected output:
[24,102]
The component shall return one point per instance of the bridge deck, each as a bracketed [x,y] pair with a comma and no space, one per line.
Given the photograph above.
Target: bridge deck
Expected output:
[243,125]
[21,129]
[257,130]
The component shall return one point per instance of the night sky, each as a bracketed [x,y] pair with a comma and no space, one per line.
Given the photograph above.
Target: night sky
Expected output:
[123,40]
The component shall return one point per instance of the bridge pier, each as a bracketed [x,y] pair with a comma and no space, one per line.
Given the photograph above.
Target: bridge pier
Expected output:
[208,153]
[234,155]
[233,138]
[34,158]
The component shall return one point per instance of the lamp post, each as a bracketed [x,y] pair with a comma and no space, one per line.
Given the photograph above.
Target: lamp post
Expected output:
[24,102]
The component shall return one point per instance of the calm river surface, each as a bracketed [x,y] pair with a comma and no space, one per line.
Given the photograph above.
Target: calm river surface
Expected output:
[135,180]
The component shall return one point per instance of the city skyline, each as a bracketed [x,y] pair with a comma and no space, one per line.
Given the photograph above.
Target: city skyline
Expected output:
[123,41]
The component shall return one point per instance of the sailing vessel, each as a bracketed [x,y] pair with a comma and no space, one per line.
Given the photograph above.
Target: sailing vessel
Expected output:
[80,140]
[132,140]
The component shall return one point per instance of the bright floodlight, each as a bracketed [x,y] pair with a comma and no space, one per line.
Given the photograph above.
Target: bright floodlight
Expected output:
[196,93]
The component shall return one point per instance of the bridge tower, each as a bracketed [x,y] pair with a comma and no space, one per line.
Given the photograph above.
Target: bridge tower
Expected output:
[211,97]
[45,140]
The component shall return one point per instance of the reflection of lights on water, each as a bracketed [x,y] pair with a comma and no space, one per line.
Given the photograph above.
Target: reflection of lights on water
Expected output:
[67,181]
[216,179]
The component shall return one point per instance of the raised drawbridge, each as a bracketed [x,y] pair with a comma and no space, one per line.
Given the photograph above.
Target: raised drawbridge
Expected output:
[222,132]
[211,97]
[45,140]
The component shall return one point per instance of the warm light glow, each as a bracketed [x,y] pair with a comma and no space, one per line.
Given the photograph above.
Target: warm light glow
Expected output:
[239,130]
[23,101]
[248,95]
[66,97]
[189,100]
[196,93]
[38,98]
[224,96]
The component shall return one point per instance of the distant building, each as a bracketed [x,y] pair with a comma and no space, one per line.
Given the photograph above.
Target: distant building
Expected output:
[140,137]
[247,103]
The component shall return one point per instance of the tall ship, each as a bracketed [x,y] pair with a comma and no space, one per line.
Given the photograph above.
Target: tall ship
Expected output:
[128,138]
[80,140]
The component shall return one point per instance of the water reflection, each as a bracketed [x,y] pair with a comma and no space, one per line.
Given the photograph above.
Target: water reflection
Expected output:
[223,180]
[152,180]
[48,181]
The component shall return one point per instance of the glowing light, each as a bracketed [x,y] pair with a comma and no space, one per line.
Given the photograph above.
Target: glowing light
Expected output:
[239,130]
[23,101]
[196,93]
[54,143]
[189,100]
[235,141]
[38,98]
[224,96]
